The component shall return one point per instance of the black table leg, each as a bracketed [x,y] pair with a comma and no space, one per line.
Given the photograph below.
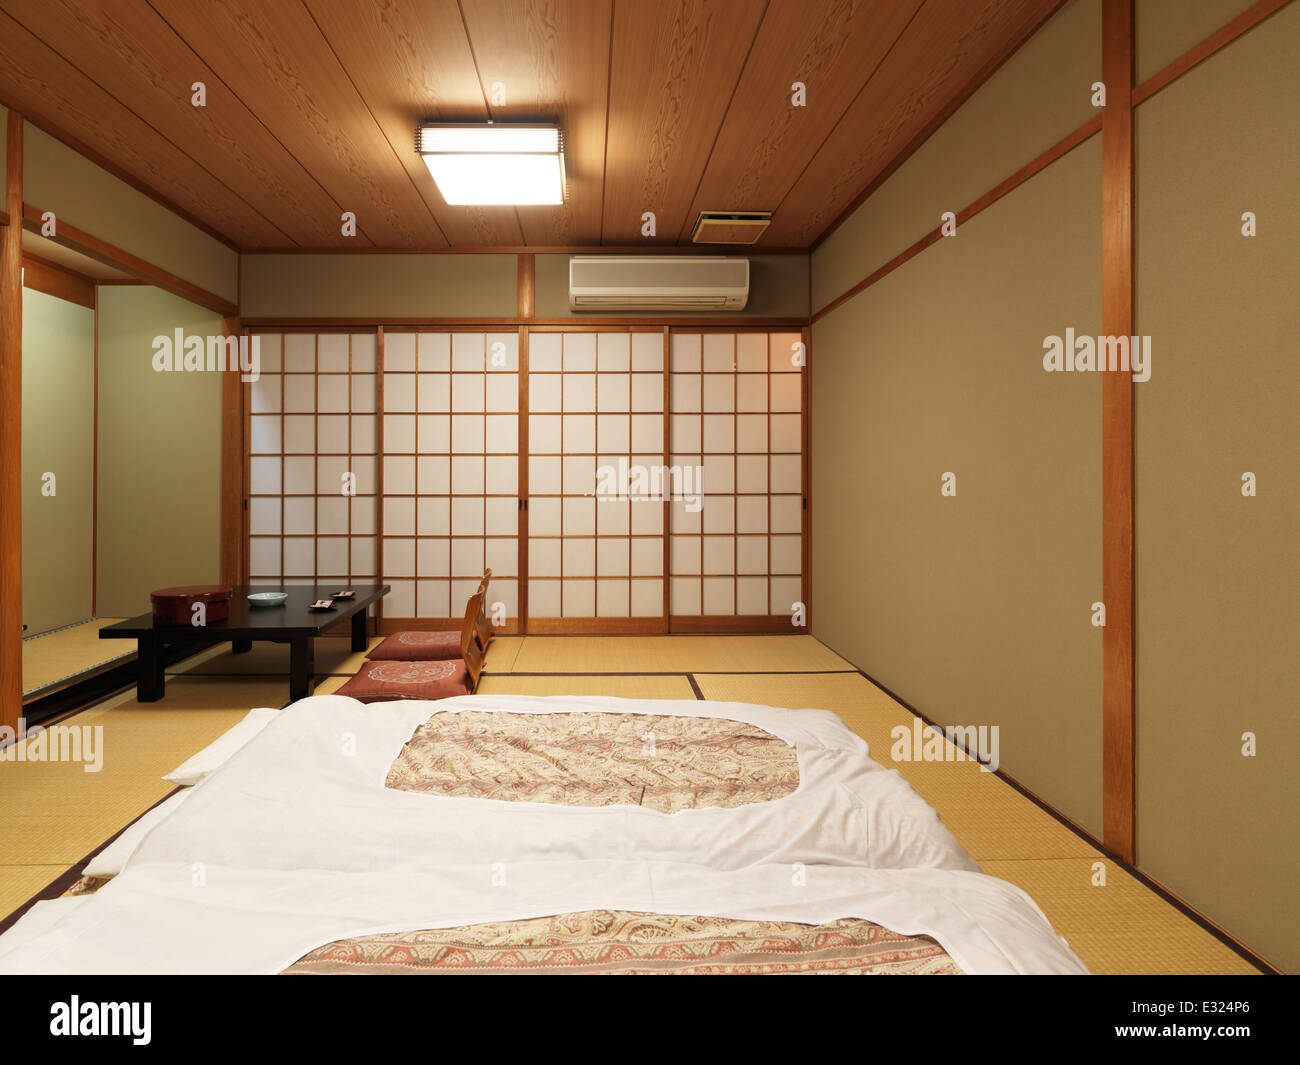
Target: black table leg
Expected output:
[149,679]
[302,667]
[240,646]
[360,630]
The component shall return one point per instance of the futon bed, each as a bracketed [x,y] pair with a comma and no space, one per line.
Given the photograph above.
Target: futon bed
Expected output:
[517,834]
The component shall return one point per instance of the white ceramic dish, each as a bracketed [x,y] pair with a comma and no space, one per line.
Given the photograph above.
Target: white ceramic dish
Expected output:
[268,598]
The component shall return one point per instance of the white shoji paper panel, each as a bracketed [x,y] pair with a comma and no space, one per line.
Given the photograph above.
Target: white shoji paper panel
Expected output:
[596,413]
[312,483]
[451,470]
[737,411]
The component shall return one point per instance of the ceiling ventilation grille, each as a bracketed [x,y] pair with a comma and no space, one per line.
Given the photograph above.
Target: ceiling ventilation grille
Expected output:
[730,227]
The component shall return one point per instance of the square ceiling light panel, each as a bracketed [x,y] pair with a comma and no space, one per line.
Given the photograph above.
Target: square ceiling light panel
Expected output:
[494,164]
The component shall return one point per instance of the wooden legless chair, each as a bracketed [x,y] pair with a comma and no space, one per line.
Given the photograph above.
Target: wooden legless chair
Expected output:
[470,651]
[484,624]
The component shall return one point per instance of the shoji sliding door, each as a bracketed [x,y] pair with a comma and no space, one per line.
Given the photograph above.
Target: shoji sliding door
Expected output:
[312,459]
[596,422]
[614,480]
[450,475]
[737,412]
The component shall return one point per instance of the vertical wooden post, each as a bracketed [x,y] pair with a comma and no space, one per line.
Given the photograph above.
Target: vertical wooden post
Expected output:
[526,308]
[521,598]
[378,612]
[94,471]
[667,506]
[805,462]
[526,287]
[1117,460]
[11,431]
[232,467]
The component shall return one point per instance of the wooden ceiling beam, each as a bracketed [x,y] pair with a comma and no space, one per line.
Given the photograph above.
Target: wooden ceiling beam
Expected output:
[102,251]
[57,281]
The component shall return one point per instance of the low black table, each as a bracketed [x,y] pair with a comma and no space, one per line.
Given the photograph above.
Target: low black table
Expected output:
[290,622]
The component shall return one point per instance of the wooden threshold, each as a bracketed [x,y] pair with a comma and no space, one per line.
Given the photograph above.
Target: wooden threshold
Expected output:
[573,324]
[387,626]
[596,626]
[530,249]
[726,624]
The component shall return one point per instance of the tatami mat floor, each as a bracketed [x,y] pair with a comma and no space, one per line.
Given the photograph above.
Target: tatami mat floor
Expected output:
[58,655]
[57,814]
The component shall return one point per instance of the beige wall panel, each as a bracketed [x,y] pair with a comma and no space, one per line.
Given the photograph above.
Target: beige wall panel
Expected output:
[159,452]
[58,426]
[380,286]
[55,178]
[976,608]
[1218,581]
[778,288]
[1038,96]
[1165,29]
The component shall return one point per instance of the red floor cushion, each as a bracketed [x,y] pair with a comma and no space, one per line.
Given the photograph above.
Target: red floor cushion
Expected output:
[379,682]
[417,647]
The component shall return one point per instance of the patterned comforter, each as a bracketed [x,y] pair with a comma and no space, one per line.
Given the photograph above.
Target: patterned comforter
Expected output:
[618,942]
[604,759]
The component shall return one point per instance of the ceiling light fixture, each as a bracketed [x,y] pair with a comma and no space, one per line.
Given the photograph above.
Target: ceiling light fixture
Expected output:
[492,164]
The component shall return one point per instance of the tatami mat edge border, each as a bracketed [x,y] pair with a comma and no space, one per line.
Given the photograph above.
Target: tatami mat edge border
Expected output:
[60,884]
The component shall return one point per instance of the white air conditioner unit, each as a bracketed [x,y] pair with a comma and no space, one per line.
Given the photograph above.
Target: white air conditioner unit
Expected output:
[657,283]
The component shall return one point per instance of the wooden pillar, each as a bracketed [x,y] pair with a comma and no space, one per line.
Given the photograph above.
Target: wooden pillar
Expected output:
[232,468]
[1118,320]
[526,286]
[11,431]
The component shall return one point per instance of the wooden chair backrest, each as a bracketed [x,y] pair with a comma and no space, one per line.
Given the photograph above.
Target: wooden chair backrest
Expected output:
[484,623]
[470,650]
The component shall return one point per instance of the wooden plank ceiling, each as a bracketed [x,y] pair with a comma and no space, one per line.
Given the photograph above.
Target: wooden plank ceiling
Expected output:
[670,106]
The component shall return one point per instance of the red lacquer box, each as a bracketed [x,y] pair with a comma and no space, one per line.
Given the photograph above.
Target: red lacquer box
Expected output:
[175,606]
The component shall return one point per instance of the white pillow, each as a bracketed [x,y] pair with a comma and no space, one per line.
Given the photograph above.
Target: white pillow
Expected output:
[109,861]
[214,755]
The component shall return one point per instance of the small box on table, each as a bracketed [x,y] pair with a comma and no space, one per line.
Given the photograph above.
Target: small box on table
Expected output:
[175,606]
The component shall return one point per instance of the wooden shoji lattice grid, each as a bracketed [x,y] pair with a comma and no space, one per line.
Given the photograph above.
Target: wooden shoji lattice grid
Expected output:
[736,401]
[596,408]
[450,473]
[312,459]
